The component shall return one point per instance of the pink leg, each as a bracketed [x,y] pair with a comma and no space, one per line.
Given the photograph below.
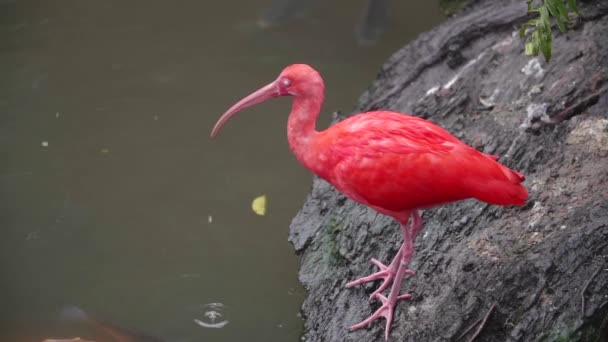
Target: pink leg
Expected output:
[405,254]
[388,272]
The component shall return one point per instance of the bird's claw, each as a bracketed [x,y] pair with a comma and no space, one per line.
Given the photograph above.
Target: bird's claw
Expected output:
[386,310]
[387,273]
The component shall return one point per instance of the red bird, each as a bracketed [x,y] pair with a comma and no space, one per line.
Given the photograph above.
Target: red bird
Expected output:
[392,162]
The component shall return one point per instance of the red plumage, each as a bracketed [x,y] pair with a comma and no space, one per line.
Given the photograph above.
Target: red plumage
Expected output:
[392,162]
[400,162]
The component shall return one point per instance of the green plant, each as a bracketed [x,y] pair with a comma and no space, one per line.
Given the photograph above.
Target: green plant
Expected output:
[540,39]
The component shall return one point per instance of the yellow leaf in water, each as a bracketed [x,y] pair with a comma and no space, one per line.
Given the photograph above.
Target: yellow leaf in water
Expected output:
[259,205]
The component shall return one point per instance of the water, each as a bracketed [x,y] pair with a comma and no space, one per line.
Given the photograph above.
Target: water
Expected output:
[114,198]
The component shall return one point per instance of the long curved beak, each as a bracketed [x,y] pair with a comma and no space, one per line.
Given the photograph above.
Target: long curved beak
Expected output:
[268,91]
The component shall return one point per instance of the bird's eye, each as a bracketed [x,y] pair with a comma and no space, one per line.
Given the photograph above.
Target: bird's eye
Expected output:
[286,82]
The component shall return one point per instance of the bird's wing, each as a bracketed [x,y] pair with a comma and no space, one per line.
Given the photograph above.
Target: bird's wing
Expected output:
[399,162]
[381,131]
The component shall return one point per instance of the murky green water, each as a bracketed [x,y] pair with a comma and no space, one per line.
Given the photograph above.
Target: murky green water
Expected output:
[114,198]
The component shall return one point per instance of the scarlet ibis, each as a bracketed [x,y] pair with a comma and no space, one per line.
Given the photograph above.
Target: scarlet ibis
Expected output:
[392,162]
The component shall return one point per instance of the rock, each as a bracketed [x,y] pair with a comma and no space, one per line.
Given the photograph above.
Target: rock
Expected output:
[543,267]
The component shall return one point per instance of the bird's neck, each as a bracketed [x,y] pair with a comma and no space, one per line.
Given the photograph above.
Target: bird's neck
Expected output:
[301,126]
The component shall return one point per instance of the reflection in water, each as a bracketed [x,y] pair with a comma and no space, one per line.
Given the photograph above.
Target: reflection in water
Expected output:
[368,31]
[104,330]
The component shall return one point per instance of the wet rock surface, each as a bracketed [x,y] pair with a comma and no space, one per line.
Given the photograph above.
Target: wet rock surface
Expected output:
[543,267]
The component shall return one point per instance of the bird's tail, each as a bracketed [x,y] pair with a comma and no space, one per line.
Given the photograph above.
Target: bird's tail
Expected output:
[512,175]
[502,191]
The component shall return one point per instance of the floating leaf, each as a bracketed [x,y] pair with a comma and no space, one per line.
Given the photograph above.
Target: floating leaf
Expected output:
[259,205]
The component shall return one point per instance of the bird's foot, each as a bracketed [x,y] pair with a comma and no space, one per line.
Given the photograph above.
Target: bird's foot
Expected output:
[386,272]
[386,310]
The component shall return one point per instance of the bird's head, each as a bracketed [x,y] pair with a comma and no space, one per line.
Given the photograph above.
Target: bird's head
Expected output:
[299,80]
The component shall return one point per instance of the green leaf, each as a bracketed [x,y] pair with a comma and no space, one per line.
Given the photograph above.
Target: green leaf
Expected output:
[541,38]
[524,27]
[530,5]
[532,8]
[530,48]
[558,10]
[545,44]
[560,24]
[522,30]
[552,7]
[533,44]
[536,41]
[572,5]
[563,12]
[544,19]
